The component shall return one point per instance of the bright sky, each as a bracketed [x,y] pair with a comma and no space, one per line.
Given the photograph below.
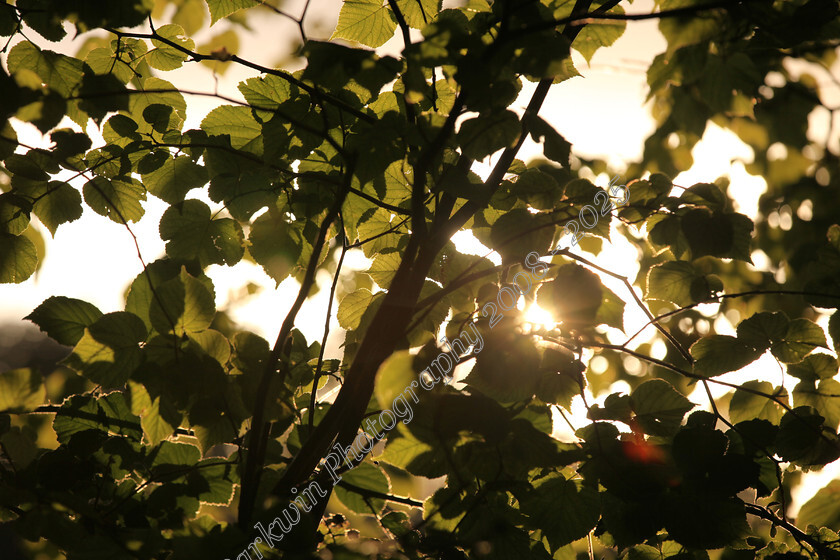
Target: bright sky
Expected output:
[602,113]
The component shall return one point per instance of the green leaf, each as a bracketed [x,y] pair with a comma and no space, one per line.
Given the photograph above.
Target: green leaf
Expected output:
[538,188]
[55,202]
[763,329]
[32,165]
[105,60]
[183,305]
[109,351]
[170,454]
[368,22]
[717,234]
[802,337]
[175,178]
[814,367]
[21,390]
[659,407]
[803,439]
[593,37]
[394,375]
[384,267]
[142,294]
[682,31]
[165,102]
[823,510]
[222,8]
[727,77]
[672,281]
[164,56]
[59,72]
[14,213]
[216,478]
[575,296]
[367,477]
[191,233]
[243,193]
[352,307]
[555,147]
[64,319]
[276,245]
[118,198]
[8,22]
[238,124]
[746,406]
[155,427]
[18,258]
[579,511]
[267,92]
[565,380]
[611,311]
[219,46]
[485,134]
[419,13]
[717,354]
[825,399]
[705,194]
[518,232]
[214,343]
[413,455]
[834,330]
[373,228]
[108,414]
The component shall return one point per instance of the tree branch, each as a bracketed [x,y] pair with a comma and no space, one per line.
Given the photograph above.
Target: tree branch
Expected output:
[259,427]
[326,333]
[382,496]
[198,57]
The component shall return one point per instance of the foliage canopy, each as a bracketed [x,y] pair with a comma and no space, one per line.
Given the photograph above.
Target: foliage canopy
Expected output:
[177,430]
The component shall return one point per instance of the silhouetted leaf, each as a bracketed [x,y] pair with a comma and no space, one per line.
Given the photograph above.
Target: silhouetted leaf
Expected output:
[64,319]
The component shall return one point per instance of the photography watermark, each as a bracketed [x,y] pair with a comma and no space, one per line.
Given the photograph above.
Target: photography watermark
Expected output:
[607,207]
[353,455]
[437,371]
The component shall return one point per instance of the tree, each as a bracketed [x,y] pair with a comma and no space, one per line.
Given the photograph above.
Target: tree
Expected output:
[173,412]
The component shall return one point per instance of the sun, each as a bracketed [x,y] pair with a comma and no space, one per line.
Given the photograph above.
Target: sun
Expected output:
[539,318]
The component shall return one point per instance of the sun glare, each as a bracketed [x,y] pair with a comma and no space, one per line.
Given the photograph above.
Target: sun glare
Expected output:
[539,317]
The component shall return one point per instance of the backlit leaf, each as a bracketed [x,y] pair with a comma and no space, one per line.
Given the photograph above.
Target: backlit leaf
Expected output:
[21,390]
[561,526]
[746,405]
[367,477]
[419,13]
[118,198]
[164,56]
[64,319]
[222,8]
[109,351]
[483,135]
[802,337]
[175,178]
[275,245]
[183,306]
[191,233]
[18,258]
[823,510]
[717,354]
[155,427]
[237,123]
[352,307]
[659,407]
[368,22]
[60,72]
